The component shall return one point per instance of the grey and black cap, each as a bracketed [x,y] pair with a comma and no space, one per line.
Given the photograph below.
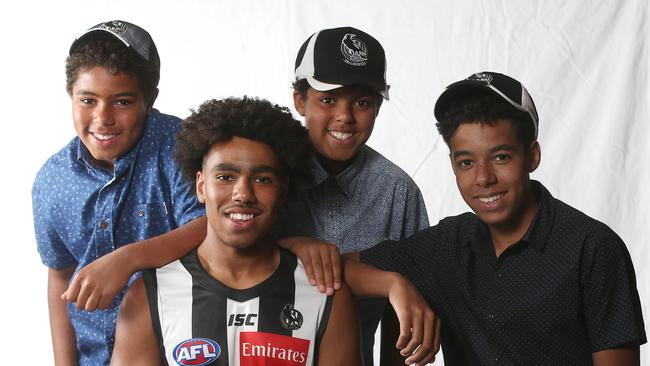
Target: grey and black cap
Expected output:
[130,34]
[503,86]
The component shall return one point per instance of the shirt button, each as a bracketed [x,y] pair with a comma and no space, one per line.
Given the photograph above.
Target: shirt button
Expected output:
[500,275]
[141,213]
[491,316]
[103,225]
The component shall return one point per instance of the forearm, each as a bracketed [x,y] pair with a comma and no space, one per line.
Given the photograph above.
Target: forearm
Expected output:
[63,334]
[624,356]
[367,281]
[160,250]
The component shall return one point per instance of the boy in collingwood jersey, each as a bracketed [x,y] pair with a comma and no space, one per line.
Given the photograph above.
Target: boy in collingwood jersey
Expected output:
[238,299]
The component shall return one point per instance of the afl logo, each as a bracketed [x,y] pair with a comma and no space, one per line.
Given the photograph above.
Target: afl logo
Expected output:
[114,26]
[481,76]
[196,352]
[290,318]
[354,50]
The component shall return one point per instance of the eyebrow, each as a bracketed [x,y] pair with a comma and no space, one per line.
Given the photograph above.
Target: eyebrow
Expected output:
[237,169]
[506,147]
[124,94]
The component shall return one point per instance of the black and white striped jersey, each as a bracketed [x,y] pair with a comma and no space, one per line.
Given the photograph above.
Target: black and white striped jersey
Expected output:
[200,321]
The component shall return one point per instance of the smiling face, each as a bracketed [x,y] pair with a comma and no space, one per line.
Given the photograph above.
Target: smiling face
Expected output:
[492,173]
[242,188]
[109,113]
[339,122]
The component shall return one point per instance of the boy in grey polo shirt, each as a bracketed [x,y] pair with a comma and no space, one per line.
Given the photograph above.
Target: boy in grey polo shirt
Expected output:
[354,196]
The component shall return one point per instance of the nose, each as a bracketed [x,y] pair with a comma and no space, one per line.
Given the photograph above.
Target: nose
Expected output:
[243,192]
[344,113]
[485,177]
[103,114]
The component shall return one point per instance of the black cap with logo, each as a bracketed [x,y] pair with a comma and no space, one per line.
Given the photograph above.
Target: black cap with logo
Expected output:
[332,58]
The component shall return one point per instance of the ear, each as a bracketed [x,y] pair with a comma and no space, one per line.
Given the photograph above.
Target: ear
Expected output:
[298,103]
[200,187]
[534,156]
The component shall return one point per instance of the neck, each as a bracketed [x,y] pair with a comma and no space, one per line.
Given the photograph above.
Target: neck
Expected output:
[334,167]
[239,268]
[505,235]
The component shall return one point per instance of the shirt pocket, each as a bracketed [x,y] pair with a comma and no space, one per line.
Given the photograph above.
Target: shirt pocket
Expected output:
[151,219]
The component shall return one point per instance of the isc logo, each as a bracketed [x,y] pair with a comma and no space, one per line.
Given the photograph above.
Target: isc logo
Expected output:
[196,352]
[241,319]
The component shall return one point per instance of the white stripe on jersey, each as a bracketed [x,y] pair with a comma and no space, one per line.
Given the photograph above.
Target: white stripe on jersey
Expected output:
[235,308]
[310,303]
[174,302]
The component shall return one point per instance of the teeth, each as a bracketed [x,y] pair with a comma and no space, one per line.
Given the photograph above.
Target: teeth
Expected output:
[340,135]
[102,137]
[490,199]
[241,217]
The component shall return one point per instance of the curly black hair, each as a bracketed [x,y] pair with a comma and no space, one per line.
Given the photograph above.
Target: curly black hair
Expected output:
[485,108]
[108,52]
[252,118]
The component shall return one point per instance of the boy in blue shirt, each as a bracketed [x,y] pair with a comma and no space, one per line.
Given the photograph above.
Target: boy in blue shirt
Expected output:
[114,184]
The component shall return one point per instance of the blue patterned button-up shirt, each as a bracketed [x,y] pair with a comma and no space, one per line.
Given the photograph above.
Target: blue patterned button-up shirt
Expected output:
[82,212]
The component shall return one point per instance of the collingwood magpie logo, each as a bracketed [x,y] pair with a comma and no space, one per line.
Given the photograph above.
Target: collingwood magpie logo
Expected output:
[114,26]
[354,50]
[290,318]
[481,76]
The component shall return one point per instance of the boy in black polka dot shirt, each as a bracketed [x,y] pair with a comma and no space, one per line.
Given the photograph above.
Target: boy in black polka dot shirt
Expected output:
[525,279]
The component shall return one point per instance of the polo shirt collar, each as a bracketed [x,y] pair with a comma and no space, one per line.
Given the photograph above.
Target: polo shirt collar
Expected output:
[478,236]
[346,180]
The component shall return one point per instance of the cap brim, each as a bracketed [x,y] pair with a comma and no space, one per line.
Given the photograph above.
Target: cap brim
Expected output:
[323,86]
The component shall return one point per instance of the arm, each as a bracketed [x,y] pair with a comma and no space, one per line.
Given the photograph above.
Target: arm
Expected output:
[63,334]
[418,325]
[341,343]
[135,342]
[97,284]
[625,356]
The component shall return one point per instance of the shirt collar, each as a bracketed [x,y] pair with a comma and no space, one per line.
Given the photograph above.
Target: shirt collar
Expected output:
[346,180]
[478,236]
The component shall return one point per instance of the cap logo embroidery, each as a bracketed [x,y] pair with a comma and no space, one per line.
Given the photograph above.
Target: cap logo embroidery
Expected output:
[481,76]
[114,26]
[354,50]
[290,318]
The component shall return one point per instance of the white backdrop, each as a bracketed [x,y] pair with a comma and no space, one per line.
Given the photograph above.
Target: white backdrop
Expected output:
[585,64]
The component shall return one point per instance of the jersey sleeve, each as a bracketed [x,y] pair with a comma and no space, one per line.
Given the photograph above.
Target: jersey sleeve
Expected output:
[612,307]
[51,248]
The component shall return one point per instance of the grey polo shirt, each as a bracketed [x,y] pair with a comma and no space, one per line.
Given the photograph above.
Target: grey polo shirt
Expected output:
[371,201]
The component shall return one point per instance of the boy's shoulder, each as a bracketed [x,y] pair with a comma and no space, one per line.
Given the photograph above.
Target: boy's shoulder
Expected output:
[161,126]
[59,163]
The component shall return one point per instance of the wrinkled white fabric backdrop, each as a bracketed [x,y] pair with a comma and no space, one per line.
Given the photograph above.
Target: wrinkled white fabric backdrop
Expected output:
[584,62]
